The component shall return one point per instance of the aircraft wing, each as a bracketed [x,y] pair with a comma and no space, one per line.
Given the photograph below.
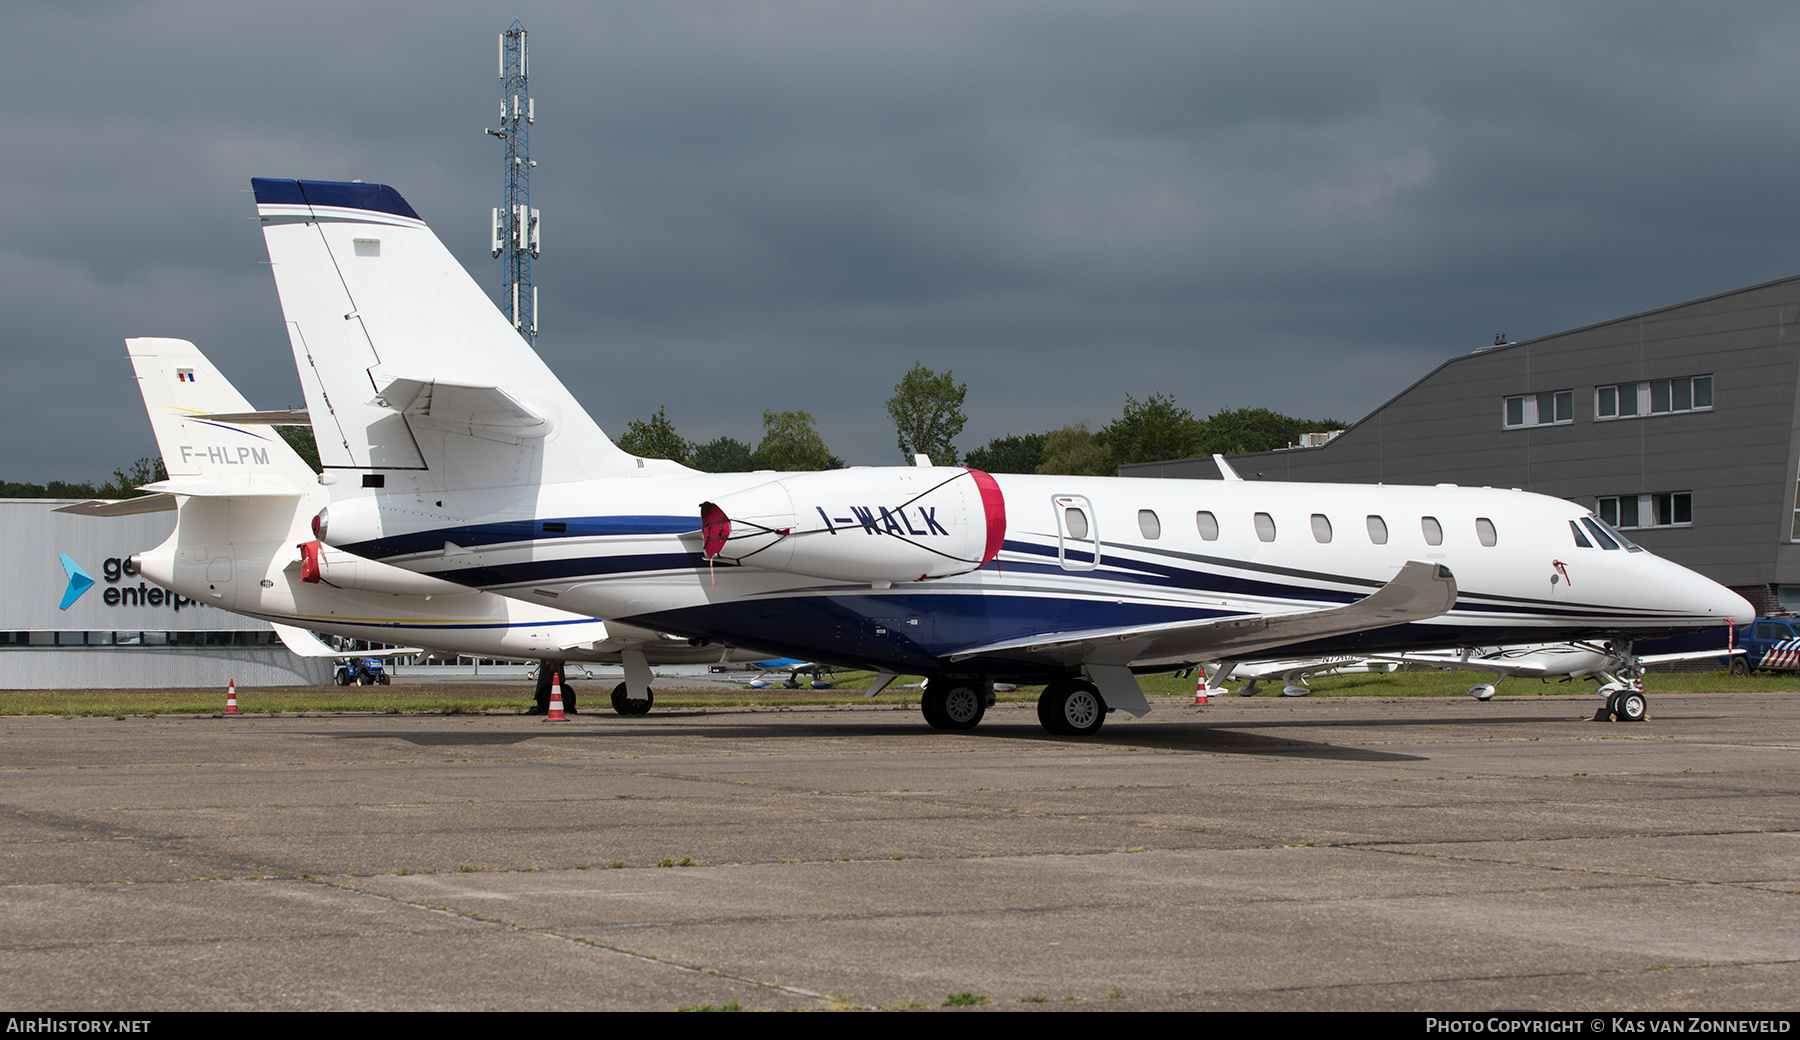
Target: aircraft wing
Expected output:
[304,644]
[1419,591]
[121,506]
[1692,655]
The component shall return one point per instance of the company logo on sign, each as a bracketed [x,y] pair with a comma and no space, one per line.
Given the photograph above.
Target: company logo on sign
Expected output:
[116,569]
[79,582]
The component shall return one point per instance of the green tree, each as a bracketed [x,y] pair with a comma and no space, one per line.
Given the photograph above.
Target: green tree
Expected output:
[655,438]
[1233,431]
[123,485]
[1072,450]
[1017,453]
[300,438]
[791,443]
[723,455]
[1152,429]
[125,482]
[927,413]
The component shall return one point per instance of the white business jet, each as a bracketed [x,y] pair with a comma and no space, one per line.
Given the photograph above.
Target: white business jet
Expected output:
[454,454]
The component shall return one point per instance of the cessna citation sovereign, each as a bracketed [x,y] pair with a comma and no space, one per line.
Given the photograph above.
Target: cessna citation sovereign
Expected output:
[454,454]
[241,543]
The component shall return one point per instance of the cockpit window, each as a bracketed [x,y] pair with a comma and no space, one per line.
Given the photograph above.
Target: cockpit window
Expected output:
[1600,535]
[1598,526]
[1580,539]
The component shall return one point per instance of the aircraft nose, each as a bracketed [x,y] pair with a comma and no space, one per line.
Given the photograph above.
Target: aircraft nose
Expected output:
[1735,608]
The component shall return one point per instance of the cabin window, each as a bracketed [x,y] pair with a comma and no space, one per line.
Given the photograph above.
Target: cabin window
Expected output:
[1377,530]
[1075,522]
[1149,525]
[1484,530]
[1434,531]
[1321,528]
[1208,525]
[1265,527]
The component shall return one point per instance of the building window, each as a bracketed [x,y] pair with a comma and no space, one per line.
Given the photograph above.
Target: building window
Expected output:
[1668,509]
[1656,397]
[1546,409]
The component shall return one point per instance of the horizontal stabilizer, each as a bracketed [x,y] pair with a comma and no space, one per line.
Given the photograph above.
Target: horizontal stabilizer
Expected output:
[223,489]
[459,407]
[278,417]
[121,506]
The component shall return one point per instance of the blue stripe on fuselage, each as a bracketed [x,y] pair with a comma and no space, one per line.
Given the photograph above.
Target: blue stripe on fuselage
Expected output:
[471,535]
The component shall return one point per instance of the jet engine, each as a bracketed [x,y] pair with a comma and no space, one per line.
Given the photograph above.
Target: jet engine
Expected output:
[875,525]
[342,570]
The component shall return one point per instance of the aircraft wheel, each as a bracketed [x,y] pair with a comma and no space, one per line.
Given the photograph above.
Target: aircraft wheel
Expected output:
[790,684]
[1629,706]
[625,705]
[1072,708]
[1482,692]
[1740,666]
[949,704]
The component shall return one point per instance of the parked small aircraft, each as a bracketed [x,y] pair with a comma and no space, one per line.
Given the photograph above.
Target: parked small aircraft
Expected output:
[244,499]
[452,453]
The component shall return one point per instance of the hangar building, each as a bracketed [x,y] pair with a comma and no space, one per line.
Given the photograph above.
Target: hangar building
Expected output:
[1679,425]
[121,631]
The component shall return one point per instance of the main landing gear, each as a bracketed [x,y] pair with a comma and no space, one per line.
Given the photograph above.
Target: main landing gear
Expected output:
[955,701]
[546,673]
[624,704]
[1072,708]
[1067,707]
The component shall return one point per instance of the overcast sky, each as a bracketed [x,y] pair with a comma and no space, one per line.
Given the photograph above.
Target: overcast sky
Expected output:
[1304,206]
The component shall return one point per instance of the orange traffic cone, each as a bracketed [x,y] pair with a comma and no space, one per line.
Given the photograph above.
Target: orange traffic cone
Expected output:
[1200,690]
[231,697]
[556,708]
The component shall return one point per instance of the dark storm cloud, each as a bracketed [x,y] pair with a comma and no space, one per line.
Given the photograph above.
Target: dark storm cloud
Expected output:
[784,205]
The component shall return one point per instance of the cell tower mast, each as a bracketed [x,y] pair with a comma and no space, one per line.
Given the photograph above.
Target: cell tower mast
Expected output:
[515,226]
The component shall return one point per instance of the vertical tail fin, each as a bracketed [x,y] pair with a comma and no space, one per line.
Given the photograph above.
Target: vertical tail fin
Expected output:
[408,367]
[179,386]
